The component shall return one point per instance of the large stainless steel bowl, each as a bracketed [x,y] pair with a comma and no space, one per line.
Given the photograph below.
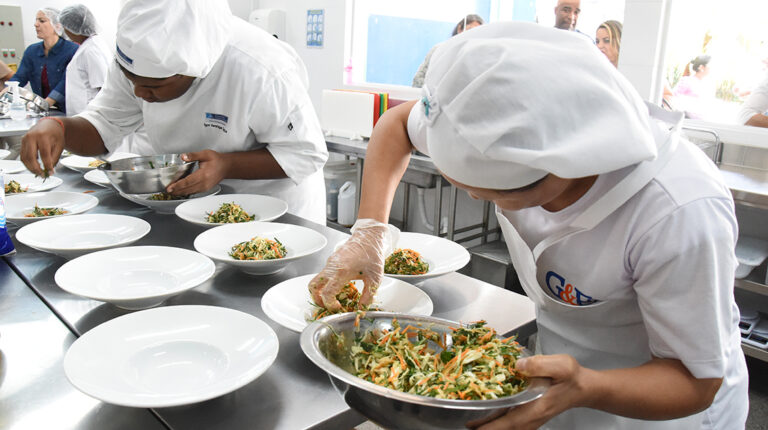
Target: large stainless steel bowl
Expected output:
[390,408]
[147,174]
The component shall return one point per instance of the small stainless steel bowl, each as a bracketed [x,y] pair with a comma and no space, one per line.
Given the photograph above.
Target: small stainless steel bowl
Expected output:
[394,409]
[147,174]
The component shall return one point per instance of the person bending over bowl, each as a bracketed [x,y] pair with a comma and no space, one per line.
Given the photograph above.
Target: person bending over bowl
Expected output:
[219,90]
[622,233]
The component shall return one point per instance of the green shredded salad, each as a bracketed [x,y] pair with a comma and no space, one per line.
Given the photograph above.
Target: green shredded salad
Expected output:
[13,187]
[40,212]
[229,212]
[349,297]
[258,249]
[405,262]
[166,197]
[478,365]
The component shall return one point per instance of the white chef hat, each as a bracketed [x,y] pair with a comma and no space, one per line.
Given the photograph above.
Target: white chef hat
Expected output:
[53,17]
[507,103]
[158,39]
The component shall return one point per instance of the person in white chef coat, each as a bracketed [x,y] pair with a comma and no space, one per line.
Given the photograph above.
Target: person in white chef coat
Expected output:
[622,233]
[87,71]
[211,86]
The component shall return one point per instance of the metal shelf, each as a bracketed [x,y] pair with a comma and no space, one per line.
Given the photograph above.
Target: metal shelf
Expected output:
[755,287]
[754,352]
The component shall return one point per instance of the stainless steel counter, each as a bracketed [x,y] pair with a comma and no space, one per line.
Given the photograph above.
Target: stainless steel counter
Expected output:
[34,393]
[9,127]
[293,393]
[748,186]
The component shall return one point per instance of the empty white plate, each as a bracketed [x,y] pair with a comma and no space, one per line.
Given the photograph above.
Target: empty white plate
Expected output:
[265,208]
[170,356]
[167,206]
[81,164]
[76,235]
[134,277]
[289,302]
[299,242]
[97,177]
[19,205]
[32,183]
[11,166]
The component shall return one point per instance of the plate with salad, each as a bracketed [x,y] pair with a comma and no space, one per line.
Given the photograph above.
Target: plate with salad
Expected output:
[222,209]
[24,208]
[165,203]
[290,304]
[259,248]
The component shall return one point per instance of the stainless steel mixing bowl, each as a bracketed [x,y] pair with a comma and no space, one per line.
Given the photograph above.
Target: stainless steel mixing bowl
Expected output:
[147,174]
[389,408]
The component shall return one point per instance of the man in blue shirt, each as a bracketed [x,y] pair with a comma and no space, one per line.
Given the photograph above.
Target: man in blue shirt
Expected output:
[44,65]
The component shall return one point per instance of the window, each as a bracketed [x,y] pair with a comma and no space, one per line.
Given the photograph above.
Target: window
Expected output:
[391,38]
[731,43]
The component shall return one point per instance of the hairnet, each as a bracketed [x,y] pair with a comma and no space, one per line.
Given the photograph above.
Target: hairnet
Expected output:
[53,16]
[507,103]
[77,19]
[158,39]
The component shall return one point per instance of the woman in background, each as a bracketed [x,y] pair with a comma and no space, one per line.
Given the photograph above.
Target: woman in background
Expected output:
[469,22]
[695,90]
[608,40]
[87,71]
[44,64]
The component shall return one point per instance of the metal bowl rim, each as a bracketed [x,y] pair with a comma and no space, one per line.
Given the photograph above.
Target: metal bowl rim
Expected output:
[536,388]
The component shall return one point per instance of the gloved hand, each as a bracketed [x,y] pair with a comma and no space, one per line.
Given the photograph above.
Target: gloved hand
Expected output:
[360,257]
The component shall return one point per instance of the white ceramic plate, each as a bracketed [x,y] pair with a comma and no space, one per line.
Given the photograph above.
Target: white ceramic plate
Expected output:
[167,206]
[18,205]
[170,356]
[80,164]
[4,153]
[73,236]
[134,277]
[442,255]
[33,183]
[97,177]
[299,242]
[265,208]
[289,302]
[11,166]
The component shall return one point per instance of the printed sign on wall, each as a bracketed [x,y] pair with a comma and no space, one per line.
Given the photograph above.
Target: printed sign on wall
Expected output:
[315,28]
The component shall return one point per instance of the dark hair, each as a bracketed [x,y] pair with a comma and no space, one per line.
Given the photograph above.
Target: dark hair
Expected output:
[701,60]
[469,19]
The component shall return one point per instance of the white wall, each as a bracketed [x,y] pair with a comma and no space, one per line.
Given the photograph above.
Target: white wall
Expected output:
[105,12]
[326,64]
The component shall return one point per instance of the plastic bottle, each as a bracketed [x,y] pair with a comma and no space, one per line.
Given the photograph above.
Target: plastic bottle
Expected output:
[18,109]
[347,194]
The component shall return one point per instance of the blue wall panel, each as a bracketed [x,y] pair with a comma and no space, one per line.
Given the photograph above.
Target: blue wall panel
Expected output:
[397,46]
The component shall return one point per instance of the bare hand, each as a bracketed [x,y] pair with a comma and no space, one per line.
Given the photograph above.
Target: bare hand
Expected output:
[47,139]
[212,169]
[567,391]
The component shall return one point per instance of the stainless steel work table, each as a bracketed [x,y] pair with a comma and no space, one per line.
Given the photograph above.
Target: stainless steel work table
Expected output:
[34,393]
[293,393]
[9,127]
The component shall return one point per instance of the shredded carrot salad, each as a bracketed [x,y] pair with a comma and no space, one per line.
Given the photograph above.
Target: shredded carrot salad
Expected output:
[258,249]
[40,212]
[349,298]
[478,365]
[405,262]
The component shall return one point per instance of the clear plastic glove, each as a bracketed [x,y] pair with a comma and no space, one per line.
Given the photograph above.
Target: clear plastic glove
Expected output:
[360,257]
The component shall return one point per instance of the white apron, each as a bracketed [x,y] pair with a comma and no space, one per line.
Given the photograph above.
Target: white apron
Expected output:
[581,331]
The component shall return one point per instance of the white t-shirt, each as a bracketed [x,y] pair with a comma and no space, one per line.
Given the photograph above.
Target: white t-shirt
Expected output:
[666,257]
[86,73]
[254,97]
[756,103]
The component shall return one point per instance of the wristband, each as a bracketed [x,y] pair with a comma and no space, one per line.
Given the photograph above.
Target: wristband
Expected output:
[61,123]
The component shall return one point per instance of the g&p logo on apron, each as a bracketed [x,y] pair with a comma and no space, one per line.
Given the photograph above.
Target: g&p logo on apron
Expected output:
[567,292]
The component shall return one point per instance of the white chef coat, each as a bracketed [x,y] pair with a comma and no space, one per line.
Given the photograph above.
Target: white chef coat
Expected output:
[254,97]
[655,278]
[756,103]
[86,73]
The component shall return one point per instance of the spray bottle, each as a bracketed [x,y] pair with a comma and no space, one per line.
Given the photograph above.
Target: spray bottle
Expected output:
[18,110]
